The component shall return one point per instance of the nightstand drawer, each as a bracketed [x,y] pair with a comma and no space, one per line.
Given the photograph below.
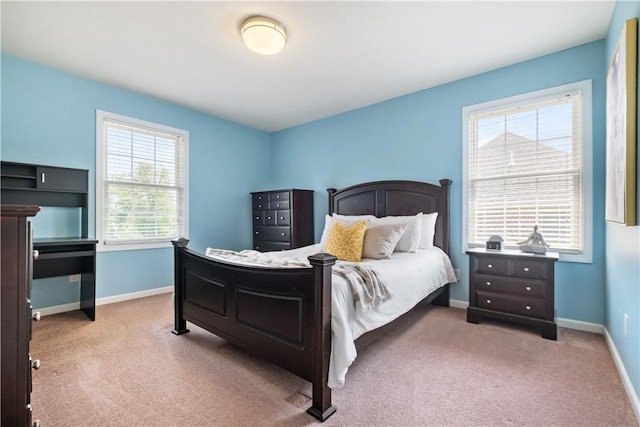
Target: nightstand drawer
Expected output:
[510,286]
[529,269]
[529,307]
[491,265]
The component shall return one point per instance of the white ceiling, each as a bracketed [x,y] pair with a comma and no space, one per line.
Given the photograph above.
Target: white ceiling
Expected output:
[340,55]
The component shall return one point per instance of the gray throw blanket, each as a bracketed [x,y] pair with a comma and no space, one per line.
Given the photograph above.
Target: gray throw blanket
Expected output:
[368,288]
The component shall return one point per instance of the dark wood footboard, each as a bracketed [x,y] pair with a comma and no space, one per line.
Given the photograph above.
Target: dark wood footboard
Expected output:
[280,314]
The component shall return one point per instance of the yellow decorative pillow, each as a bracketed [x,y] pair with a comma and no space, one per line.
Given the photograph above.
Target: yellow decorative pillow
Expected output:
[346,243]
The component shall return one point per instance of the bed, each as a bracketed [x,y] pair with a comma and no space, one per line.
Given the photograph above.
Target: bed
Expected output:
[284,314]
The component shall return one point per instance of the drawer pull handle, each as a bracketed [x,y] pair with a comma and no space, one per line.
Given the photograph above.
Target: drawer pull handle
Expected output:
[283,234]
[488,283]
[490,265]
[282,218]
[488,301]
[259,197]
[259,205]
[35,254]
[528,307]
[278,196]
[42,177]
[257,247]
[36,316]
[528,288]
[268,217]
[257,232]
[277,205]
[258,218]
[526,269]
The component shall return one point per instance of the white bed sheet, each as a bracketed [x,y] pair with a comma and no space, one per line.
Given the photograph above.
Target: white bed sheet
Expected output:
[409,276]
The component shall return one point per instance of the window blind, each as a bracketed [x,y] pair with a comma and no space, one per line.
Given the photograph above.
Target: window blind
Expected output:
[144,184]
[524,169]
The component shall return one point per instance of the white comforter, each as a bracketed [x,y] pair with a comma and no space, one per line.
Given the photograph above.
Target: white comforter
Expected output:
[409,276]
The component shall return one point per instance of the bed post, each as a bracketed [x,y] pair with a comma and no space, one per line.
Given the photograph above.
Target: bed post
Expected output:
[180,323]
[444,207]
[321,351]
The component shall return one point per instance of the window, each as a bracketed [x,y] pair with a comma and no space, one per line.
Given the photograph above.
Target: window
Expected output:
[527,161]
[141,181]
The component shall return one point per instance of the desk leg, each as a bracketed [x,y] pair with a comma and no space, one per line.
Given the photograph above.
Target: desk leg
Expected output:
[88,295]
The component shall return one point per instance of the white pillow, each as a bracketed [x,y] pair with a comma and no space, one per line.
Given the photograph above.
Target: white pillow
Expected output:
[428,230]
[411,237]
[380,240]
[345,220]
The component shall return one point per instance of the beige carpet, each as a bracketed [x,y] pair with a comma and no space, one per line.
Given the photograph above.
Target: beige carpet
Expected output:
[128,369]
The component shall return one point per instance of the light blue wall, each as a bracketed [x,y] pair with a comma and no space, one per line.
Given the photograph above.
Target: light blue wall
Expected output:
[623,246]
[419,137]
[48,117]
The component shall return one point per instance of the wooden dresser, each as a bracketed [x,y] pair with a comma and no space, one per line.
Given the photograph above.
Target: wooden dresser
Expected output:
[16,315]
[282,219]
[514,286]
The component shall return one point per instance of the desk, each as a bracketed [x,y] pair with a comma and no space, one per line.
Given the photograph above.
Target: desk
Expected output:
[65,256]
[28,184]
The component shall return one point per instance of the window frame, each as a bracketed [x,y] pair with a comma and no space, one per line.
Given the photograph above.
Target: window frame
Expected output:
[155,243]
[586,163]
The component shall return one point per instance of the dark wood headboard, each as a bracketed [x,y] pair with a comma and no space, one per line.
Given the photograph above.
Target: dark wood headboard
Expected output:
[384,198]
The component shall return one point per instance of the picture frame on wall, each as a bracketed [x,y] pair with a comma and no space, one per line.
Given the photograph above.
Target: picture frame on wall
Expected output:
[620,203]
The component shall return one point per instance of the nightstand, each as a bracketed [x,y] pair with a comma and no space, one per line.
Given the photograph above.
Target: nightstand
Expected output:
[514,286]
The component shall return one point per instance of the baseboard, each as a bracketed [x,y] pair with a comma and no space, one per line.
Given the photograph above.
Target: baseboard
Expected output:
[456,303]
[626,381]
[63,308]
[563,323]
[580,325]
[55,309]
[133,295]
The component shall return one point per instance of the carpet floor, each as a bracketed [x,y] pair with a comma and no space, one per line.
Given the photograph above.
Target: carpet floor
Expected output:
[127,369]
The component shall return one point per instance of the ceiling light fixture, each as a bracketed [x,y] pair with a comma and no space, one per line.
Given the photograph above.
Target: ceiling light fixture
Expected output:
[263,35]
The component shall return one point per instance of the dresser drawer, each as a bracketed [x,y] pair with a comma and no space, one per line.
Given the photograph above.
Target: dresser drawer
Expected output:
[510,286]
[264,246]
[529,268]
[277,234]
[491,265]
[283,217]
[279,204]
[270,218]
[529,307]
[260,203]
[279,196]
[258,218]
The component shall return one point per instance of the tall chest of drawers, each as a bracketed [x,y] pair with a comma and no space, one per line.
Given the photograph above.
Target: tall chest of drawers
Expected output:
[513,286]
[282,219]
[16,315]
